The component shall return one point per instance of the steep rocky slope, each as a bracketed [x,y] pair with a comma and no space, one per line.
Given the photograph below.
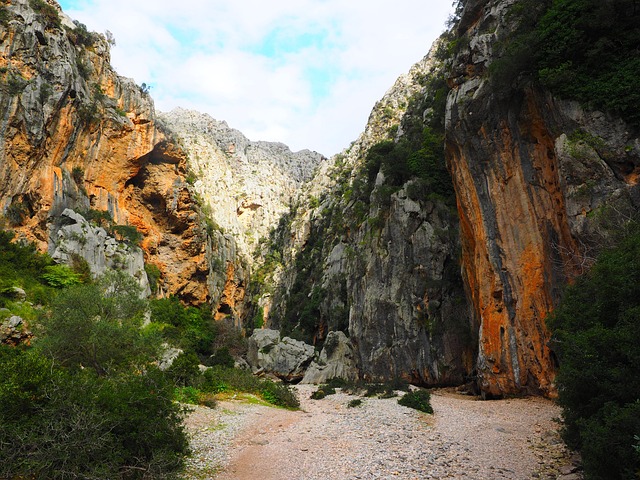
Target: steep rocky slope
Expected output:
[76,135]
[536,178]
[247,186]
[376,256]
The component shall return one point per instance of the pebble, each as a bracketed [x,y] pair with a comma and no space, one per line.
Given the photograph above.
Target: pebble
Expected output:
[382,440]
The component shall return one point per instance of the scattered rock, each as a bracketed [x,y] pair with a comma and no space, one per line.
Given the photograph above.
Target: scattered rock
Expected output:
[337,360]
[288,359]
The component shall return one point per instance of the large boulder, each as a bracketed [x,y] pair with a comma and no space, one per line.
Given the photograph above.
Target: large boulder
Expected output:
[13,331]
[286,358]
[337,360]
[101,251]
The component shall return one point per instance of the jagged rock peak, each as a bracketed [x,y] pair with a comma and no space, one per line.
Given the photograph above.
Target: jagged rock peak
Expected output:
[246,186]
[190,124]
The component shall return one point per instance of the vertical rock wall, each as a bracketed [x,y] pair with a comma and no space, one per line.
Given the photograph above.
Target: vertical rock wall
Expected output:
[529,198]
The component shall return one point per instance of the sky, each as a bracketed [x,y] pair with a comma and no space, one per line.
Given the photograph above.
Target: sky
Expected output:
[303,72]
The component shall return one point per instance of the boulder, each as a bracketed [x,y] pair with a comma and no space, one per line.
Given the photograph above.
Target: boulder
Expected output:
[169,354]
[336,360]
[285,358]
[13,331]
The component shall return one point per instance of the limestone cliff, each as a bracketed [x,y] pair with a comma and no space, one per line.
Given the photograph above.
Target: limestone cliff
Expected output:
[76,135]
[376,257]
[246,186]
[533,176]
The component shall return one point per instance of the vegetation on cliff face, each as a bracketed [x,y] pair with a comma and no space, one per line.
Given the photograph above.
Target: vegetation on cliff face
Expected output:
[596,336]
[584,50]
[87,398]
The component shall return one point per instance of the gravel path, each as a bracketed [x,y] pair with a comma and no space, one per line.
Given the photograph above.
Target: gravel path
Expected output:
[465,438]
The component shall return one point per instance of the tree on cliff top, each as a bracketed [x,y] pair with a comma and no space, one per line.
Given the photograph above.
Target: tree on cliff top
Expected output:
[596,332]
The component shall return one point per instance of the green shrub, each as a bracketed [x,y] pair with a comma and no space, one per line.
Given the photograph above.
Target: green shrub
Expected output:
[279,394]
[48,13]
[322,392]
[81,267]
[419,400]
[15,83]
[356,402]
[190,328]
[222,357]
[101,218]
[58,425]
[153,275]
[21,265]
[220,379]
[77,173]
[97,326]
[595,333]
[61,276]
[5,16]
[80,36]
[127,233]
[190,395]
[184,370]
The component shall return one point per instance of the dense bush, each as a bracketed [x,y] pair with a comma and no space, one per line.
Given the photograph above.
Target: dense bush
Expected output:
[595,330]
[584,50]
[419,400]
[97,326]
[47,12]
[21,266]
[55,424]
[189,328]
[222,379]
[588,52]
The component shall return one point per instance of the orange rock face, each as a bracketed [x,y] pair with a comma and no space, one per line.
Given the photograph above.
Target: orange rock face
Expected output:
[513,226]
[76,135]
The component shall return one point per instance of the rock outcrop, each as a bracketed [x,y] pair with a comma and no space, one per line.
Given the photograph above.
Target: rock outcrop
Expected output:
[14,331]
[336,360]
[246,186]
[101,251]
[528,199]
[76,135]
[285,358]
[376,260]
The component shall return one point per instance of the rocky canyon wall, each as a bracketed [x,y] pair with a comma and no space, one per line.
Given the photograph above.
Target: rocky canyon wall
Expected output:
[75,135]
[534,177]
[377,258]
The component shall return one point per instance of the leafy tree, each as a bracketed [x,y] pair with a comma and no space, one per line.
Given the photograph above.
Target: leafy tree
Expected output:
[61,276]
[190,328]
[58,424]
[97,326]
[595,330]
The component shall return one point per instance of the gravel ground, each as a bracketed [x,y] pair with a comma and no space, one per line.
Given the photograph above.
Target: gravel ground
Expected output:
[326,439]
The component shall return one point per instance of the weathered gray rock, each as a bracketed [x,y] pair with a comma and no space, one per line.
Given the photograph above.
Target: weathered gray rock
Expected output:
[285,358]
[13,331]
[168,356]
[101,251]
[248,185]
[18,293]
[14,321]
[337,360]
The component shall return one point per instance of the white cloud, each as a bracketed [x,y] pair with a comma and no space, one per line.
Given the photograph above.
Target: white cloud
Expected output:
[304,72]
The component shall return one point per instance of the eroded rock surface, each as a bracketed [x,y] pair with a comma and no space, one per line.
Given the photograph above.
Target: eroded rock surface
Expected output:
[532,173]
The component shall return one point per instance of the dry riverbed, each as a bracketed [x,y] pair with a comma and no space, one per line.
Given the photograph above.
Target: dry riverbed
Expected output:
[326,439]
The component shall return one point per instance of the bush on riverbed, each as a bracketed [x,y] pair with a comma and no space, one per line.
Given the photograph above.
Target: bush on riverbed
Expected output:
[595,331]
[419,400]
[220,379]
